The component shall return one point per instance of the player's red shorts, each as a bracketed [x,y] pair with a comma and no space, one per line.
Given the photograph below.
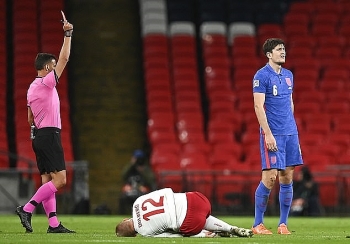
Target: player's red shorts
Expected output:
[198,210]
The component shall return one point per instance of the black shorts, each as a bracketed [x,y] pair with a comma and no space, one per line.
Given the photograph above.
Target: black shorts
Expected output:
[48,150]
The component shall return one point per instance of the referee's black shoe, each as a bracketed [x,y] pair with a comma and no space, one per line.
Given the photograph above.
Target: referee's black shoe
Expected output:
[25,217]
[59,229]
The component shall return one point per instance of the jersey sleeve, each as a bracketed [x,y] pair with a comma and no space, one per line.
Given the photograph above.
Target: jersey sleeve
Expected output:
[50,80]
[260,83]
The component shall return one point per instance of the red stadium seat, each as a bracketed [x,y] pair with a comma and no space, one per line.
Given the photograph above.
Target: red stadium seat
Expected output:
[220,137]
[217,85]
[168,171]
[182,61]
[308,107]
[237,51]
[156,106]
[231,185]
[160,121]
[327,6]
[188,95]
[188,106]
[158,96]
[217,73]
[332,72]
[214,40]
[310,141]
[293,29]
[215,61]
[328,189]
[220,125]
[196,147]
[340,139]
[325,18]
[341,122]
[322,29]
[158,137]
[215,51]
[233,150]
[310,96]
[216,107]
[247,63]
[198,176]
[189,120]
[186,136]
[317,161]
[292,18]
[270,29]
[318,123]
[337,107]
[194,161]
[301,40]
[301,51]
[302,8]
[344,28]
[171,147]
[218,158]
[331,84]
[234,118]
[335,40]
[244,41]
[330,150]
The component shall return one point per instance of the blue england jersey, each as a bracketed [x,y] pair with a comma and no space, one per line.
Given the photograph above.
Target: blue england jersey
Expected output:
[277,89]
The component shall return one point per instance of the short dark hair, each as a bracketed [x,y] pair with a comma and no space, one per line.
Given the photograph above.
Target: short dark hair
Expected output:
[42,59]
[270,44]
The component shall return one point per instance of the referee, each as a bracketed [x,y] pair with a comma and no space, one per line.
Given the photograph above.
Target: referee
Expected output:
[45,121]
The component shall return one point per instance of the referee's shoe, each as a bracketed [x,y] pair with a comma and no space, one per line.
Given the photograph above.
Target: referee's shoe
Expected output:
[25,217]
[59,229]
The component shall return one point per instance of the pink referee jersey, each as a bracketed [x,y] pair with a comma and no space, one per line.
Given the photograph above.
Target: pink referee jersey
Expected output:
[42,98]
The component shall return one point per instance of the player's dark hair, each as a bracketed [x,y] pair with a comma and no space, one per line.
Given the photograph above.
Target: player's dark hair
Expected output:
[270,44]
[42,59]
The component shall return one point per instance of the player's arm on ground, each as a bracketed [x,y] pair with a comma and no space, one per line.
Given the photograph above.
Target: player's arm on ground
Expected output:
[65,50]
[205,233]
[168,234]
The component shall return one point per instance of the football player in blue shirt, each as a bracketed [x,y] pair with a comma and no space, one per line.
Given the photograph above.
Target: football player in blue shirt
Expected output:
[279,141]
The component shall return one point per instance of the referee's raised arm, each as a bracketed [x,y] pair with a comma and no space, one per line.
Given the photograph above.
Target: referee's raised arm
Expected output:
[65,50]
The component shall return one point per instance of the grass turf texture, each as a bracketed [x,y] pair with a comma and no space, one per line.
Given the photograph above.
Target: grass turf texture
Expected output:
[100,229]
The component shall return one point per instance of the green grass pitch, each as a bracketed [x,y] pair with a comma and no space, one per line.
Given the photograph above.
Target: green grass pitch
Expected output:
[100,229]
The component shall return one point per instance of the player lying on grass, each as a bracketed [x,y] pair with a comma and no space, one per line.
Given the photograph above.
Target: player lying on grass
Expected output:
[163,213]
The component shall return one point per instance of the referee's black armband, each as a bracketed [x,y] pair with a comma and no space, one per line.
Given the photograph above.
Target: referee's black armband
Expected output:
[68,33]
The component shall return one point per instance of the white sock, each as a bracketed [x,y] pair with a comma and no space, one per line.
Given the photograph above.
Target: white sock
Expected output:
[214,224]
